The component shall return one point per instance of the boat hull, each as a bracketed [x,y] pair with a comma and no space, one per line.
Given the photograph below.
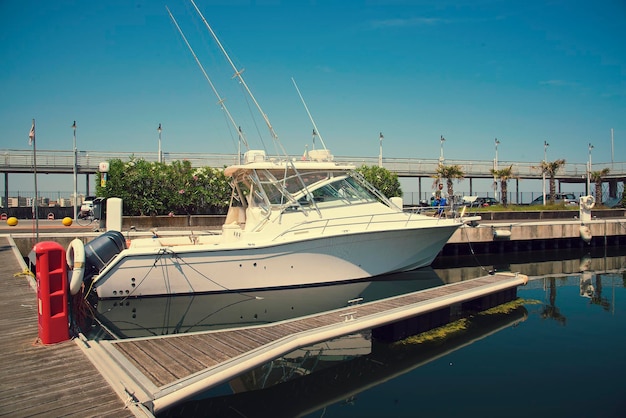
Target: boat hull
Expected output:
[327,259]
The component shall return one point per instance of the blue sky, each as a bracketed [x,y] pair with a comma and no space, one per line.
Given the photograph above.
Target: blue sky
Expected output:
[521,71]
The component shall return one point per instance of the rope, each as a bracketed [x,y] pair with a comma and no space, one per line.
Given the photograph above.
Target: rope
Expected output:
[25,272]
[80,311]
[474,253]
[162,252]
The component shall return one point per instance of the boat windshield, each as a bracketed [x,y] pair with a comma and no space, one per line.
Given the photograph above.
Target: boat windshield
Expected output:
[283,187]
[344,189]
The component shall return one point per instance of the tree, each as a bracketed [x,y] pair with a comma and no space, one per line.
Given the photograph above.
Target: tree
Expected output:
[550,168]
[383,179]
[597,177]
[148,188]
[504,175]
[138,183]
[193,189]
[450,173]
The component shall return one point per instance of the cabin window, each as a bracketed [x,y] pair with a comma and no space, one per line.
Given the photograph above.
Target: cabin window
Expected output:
[344,190]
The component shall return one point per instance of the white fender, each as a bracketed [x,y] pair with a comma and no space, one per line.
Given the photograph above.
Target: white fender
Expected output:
[75,257]
[501,234]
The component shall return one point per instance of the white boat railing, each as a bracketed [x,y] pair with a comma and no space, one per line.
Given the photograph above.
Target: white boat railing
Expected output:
[369,221]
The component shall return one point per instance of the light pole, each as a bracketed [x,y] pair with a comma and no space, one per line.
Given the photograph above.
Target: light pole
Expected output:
[495,168]
[442,139]
[75,170]
[589,171]
[159,157]
[543,169]
[380,153]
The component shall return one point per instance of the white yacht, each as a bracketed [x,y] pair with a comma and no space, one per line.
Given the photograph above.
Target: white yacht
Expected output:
[290,223]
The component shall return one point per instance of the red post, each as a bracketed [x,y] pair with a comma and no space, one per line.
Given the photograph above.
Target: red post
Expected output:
[52,292]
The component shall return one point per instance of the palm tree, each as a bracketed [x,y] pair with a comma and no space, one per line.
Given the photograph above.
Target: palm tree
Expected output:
[504,175]
[551,311]
[550,168]
[597,177]
[448,172]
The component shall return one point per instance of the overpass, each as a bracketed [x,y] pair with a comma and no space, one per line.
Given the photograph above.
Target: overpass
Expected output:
[87,163]
[62,162]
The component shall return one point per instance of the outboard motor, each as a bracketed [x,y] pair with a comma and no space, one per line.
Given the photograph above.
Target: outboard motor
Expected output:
[101,250]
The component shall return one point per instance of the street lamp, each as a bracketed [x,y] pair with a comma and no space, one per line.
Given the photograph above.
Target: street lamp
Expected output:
[75,170]
[543,169]
[497,141]
[590,147]
[441,150]
[380,153]
[159,156]
[495,168]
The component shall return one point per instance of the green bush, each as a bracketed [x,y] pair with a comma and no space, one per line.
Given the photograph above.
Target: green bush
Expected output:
[151,188]
[383,179]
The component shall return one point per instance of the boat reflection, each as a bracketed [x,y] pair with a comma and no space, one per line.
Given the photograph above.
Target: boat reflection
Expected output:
[150,316]
[309,380]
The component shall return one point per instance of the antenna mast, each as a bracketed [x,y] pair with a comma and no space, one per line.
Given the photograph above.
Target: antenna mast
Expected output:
[611,145]
[241,80]
[219,98]
[309,113]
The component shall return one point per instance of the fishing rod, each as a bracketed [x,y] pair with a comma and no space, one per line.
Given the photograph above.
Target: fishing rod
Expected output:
[242,138]
[315,130]
[241,80]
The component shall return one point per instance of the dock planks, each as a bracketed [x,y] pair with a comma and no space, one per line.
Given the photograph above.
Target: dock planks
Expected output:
[37,379]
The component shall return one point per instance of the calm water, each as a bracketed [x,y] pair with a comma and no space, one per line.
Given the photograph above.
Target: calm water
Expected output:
[561,354]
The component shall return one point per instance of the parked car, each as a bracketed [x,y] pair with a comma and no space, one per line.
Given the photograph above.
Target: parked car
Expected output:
[479,201]
[565,198]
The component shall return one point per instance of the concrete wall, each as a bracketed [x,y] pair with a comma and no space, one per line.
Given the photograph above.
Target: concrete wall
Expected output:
[522,231]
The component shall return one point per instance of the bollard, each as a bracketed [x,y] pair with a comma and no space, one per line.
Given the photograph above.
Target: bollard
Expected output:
[52,291]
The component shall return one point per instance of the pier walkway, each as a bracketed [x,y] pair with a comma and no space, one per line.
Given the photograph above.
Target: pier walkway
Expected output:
[44,380]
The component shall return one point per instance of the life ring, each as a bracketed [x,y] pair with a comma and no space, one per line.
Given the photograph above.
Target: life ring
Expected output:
[75,257]
[587,202]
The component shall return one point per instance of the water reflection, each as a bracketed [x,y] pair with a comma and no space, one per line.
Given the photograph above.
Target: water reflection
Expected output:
[141,317]
[534,264]
[314,380]
[309,380]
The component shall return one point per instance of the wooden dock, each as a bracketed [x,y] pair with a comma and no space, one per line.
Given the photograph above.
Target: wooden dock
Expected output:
[142,376]
[44,380]
[162,371]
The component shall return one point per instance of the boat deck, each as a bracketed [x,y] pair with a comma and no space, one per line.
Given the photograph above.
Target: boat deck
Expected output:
[37,379]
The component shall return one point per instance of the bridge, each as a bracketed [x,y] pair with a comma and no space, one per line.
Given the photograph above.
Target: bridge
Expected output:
[87,163]
[62,162]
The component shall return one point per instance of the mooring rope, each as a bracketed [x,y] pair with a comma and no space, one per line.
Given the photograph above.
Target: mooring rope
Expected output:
[469,242]
[159,263]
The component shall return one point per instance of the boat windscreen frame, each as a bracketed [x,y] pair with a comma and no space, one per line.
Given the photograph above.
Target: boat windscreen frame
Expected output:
[363,181]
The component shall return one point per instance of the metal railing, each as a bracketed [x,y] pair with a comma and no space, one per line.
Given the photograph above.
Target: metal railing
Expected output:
[53,161]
